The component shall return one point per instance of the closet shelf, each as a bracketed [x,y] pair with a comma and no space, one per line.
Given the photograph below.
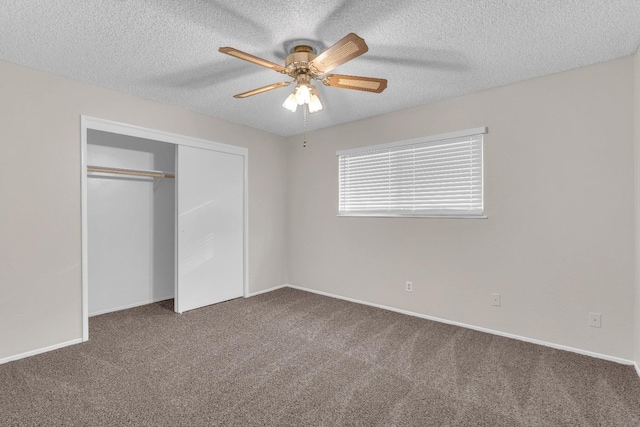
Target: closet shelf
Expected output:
[133,172]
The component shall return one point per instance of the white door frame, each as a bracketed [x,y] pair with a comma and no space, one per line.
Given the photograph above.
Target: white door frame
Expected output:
[86,123]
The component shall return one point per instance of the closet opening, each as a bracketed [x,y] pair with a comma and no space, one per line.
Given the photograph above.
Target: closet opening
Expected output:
[131,221]
[163,217]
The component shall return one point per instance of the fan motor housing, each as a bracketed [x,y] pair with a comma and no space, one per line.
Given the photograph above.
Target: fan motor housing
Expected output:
[298,61]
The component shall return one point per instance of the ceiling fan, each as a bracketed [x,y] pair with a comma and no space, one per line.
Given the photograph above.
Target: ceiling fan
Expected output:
[303,65]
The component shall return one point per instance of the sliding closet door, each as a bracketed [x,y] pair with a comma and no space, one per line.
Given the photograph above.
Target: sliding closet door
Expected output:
[210,227]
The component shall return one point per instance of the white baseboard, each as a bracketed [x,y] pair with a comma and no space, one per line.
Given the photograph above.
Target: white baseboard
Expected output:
[39,351]
[637,368]
[476,328]
[264,291]
[125,307]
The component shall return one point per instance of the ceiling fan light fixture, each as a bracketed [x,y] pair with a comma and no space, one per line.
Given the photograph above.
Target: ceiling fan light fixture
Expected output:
[304,65]
[290,103]
[302,94]
[314,101]
[315,105]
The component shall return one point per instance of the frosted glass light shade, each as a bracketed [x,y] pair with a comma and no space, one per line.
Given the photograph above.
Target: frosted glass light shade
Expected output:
[314,103]
[290,103]
[302,94]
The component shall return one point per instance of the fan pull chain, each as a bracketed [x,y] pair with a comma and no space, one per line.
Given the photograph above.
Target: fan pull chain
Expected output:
[304,112]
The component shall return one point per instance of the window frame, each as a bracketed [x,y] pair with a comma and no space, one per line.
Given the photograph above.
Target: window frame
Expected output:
[422,140]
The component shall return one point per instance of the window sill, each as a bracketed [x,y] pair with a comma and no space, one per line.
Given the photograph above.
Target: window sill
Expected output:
[414,216]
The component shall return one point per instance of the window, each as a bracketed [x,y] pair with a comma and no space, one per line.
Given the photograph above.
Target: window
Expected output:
[434,176]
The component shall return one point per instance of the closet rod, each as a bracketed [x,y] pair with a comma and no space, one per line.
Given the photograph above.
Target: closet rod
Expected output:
[134,172]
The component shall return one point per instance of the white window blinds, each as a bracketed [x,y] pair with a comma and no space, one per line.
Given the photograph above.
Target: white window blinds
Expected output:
[434,176]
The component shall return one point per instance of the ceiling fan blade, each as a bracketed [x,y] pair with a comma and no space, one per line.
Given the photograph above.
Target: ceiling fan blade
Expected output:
[261,89]
[351,46]
[253,59]
[367,84]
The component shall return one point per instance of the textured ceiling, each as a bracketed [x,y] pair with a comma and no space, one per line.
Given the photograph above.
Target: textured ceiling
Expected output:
[166,50]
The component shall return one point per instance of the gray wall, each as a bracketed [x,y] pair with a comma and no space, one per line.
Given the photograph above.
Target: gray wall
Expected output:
[559,195]
[559,192]
[40,264]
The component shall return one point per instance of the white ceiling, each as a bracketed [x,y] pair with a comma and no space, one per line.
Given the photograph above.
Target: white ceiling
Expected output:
[429,50]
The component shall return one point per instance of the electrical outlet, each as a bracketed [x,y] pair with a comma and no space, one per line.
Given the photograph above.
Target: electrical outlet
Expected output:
[594,320]
[408,286]
[495,300]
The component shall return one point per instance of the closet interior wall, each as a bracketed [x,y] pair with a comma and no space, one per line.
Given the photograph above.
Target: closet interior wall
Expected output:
[131,223]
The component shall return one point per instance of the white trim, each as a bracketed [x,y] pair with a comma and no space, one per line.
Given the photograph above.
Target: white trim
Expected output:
[475,328]
[450,135]
[158,135]
[88,122]
[40,351]
[84,124]
[264,291]
[135,304]
[637,368]
[176,232]
[245,287]
[379,215]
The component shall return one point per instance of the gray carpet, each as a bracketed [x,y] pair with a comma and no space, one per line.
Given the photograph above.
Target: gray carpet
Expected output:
[291,358]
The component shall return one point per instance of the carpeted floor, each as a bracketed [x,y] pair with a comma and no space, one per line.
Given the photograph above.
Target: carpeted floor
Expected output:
[292,358]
